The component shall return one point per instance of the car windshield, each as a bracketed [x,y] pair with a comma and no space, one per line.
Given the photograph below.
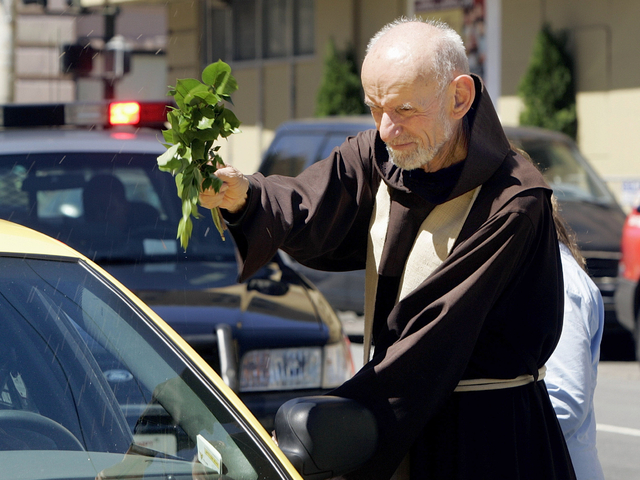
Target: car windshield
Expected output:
[91,388]
[567,172]
[114,208]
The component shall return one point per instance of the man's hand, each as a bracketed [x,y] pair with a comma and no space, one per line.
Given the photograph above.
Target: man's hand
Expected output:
[233,192]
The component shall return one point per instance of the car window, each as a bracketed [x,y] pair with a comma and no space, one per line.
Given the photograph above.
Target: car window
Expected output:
[333,140]
[567,173]
[111,207]
[90,389]
[290,154]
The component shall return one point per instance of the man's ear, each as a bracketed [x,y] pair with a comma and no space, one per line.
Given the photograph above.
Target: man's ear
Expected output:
[464,94]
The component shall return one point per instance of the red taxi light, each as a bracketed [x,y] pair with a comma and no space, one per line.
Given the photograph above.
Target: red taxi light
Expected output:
[138,113]
[124,113]
[153,113]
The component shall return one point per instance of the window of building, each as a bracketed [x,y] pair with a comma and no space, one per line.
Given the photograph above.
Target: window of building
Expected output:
[303,34]
[244,30]
[274,33]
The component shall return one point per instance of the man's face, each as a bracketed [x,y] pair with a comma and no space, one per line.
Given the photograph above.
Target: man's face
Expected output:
[410,114]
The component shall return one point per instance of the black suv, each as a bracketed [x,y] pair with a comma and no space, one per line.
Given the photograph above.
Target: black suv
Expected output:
[586,203]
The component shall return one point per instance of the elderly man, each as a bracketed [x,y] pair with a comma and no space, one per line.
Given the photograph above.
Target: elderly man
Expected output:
[464,284]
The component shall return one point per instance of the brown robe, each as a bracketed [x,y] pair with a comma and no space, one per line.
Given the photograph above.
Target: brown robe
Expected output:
[493,309]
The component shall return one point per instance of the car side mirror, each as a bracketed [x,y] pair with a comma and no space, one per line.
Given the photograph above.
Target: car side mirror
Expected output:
[325,436]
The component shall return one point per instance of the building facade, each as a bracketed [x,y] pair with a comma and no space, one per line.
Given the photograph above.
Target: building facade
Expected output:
[34,36]
[276,50]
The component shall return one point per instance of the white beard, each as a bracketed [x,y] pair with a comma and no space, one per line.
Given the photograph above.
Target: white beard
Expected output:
[421,155]
[416,158]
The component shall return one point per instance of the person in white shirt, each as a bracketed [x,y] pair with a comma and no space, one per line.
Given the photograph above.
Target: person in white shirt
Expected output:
[572,369]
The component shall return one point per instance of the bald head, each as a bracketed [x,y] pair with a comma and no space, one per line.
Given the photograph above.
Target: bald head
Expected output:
[416,83]
[423,49]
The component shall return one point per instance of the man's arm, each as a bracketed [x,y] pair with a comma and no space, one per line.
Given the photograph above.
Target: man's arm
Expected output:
[320,217]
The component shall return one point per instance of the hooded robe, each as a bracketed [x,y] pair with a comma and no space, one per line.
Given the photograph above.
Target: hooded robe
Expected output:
[491,309]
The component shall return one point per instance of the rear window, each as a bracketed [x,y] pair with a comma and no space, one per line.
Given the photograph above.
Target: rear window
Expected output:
[290,154]
[570,176]
[294,150]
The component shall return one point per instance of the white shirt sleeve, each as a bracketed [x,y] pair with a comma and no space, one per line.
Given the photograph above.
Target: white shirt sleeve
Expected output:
[572,369]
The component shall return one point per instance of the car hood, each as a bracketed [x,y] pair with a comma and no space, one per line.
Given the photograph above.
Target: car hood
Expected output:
[194,297]
[598,226]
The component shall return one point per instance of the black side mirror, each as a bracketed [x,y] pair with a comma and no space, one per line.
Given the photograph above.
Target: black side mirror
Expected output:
[325,436]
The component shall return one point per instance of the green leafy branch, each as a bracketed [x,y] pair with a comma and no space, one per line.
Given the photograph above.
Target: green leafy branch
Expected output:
[198,121]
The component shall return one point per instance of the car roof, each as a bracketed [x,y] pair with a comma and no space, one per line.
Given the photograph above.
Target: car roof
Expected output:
[69,140]
[337,123]
[17,239]
[364,122]
[531,133]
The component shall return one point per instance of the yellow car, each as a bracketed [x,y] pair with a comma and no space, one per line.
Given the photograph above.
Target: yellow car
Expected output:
[94,385]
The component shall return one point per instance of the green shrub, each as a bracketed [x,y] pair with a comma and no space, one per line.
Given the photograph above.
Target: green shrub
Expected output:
[340,92]
[547,88]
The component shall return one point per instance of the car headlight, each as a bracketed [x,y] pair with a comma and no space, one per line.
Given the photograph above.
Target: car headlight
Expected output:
[296,368]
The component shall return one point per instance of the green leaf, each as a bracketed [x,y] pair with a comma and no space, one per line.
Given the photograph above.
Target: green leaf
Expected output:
[205,122]
[194,191]
[230,122]
[226,85]
[194,209]
[207,96]
[211,73]
[196,93]
[185,85]
[218,75]
[172,165]
[186,209]
[179,184]
[197,149]
[168,155]
[210,180]
[168,136]
[226,98]
[199,121]
[185,227]
[207,135]
[217,160]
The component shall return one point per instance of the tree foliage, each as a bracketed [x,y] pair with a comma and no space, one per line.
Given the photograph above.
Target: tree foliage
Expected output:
[340,92]
[547,88]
